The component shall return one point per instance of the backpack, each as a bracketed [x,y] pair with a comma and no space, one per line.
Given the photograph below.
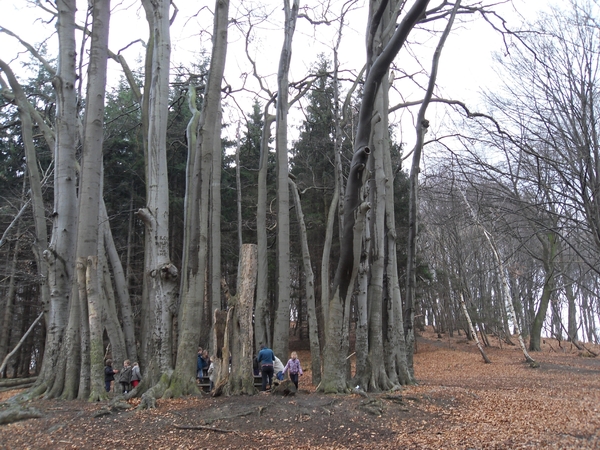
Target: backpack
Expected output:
[125,375]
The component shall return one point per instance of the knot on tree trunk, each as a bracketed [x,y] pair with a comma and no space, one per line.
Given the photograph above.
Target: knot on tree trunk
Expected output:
[168,271]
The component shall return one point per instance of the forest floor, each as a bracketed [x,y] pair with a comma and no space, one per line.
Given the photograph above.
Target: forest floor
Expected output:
[459,403]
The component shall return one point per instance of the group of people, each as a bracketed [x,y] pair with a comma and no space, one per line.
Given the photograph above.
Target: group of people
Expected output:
[205,367]
[266,362]
[271,366]
[129,376]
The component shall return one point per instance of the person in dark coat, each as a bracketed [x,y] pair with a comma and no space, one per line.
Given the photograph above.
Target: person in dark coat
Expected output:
[109,374]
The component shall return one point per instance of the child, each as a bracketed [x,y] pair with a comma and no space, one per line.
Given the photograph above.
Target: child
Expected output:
[211,374]
[109,374]
[277,370]
[136,375]
[125,377]
[199,365]
[294,367]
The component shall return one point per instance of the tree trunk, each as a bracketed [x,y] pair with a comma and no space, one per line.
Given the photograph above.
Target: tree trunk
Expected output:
[335,353]
[160,274]
[472,330]
[361,344]
[377,376]
[238,187]
[309,287]
[334,376]
[395,348]
[90,191]
[262,329]
[196,226]
[214,300]
[281,329]
[550,250]
[121,289]
[110,317]
[7,311]
[241,378]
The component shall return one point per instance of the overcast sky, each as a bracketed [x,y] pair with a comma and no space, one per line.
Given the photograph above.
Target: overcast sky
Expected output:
[466,64]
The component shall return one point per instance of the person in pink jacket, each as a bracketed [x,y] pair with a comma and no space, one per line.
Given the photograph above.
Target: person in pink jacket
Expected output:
[294,367]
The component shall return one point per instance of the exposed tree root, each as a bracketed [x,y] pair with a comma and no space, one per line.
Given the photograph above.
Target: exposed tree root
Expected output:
[372,406]
[16,382]
[159,390]
[21,386]
[16,413]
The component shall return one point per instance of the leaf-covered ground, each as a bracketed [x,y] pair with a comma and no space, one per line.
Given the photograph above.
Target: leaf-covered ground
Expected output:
[459,403]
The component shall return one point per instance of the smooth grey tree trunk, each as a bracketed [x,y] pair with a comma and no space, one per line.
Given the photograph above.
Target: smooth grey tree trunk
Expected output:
[238,187]
[281,328]
[214,298]
[189,207]
[7,310]
[197,219]
[309,289]
[91,383]
[361,344]
[110,318]
[160,274]
[335,352]
[120,288]
[394,343]
[377,377]
[262,329]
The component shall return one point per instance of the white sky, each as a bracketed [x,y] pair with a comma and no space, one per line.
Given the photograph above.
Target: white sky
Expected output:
[466,64]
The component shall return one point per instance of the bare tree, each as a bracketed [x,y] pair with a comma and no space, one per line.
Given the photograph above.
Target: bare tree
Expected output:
[336,346]
[160,274]
[90,191]
[282,315]
[200,164]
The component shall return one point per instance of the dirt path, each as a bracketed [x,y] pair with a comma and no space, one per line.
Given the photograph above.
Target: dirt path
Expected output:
[460,403]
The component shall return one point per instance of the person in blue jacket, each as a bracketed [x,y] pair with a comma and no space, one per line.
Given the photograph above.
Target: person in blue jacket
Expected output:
[265,358]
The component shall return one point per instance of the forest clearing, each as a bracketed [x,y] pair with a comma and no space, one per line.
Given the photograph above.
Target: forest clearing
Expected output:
[177,191]
[459,403]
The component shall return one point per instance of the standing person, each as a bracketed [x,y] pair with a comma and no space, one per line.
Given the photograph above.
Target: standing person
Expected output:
[109,374]
[293,365]
[199,365]
[278,368]
[125,377]
[204,362]
[265,359]
[211,374]
[136,375]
